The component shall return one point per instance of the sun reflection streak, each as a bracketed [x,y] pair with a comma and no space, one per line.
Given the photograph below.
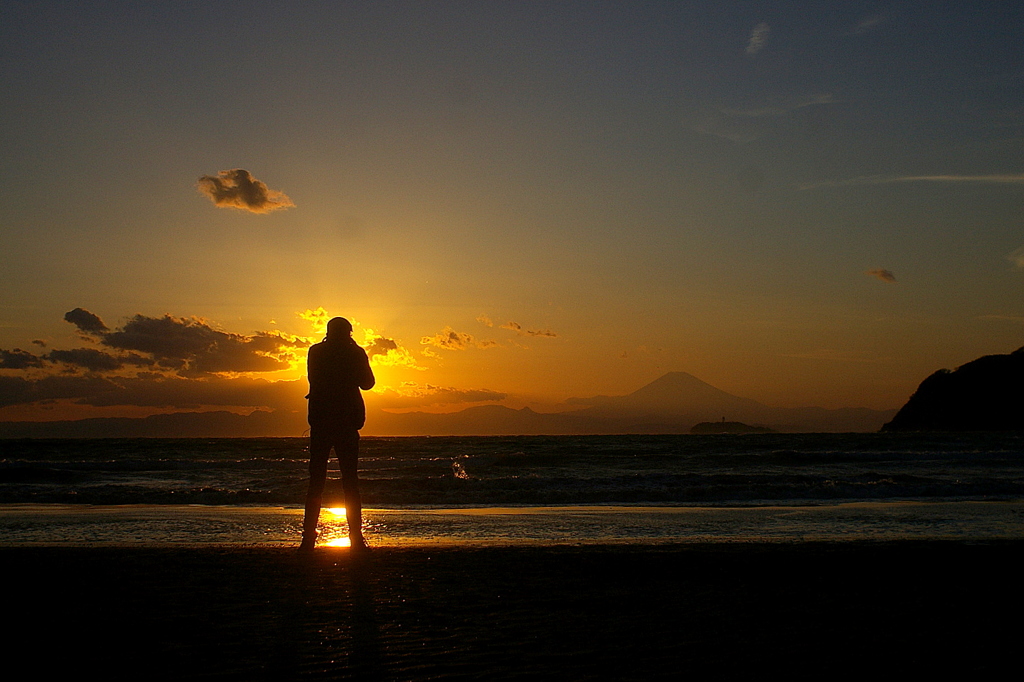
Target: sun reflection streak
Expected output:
[335,528]
[338,542]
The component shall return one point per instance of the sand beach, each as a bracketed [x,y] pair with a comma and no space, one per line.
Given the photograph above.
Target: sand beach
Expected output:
[719,611]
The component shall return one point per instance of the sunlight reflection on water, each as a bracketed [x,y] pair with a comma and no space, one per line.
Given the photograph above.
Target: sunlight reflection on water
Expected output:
[281,526]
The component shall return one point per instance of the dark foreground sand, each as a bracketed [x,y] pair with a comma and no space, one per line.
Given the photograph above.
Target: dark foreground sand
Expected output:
[827,611]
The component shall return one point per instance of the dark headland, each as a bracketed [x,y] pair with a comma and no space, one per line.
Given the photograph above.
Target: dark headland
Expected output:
[982,395]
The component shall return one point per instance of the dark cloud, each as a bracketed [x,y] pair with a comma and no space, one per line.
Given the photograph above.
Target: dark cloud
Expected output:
[96,360]
[85,321]
[21,391]
[882,274]
[237,188]
[18,359]
[192,346]
[132,366]
[381,346]
[154,390]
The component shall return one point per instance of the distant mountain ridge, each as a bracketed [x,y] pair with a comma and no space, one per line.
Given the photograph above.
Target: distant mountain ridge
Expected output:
[676,401]
[672,403]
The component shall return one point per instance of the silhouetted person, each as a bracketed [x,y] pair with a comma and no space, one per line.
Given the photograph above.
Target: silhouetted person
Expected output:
[337,369]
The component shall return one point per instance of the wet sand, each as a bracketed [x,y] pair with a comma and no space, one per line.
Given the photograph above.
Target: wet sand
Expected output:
[820,610]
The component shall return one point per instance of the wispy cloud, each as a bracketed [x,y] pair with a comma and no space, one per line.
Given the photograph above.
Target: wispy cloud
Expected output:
[995,179]
[410,394]
[449,339]
[1017,257]
[237,188]
[519,329]
[782,110]
[882,274]
[744,123]
[718,127]
[867,24]
[758,38]
[1002,318]
[830,355]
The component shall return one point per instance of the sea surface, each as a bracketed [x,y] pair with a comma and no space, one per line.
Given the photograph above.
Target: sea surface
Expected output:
[751,487]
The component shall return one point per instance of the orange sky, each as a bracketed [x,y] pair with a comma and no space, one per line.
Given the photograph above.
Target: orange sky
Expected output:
[814,204]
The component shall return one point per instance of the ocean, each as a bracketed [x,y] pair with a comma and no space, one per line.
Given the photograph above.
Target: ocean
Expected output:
[542,489]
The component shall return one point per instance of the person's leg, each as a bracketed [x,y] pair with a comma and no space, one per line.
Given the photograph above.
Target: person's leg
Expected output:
[347,449]
[319,452]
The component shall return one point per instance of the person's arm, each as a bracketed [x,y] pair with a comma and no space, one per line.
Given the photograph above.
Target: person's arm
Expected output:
[311,370]
[367,380]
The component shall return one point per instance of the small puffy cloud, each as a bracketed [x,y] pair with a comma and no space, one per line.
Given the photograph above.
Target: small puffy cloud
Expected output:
[449,339]
[381,346]
[318,318]
[85,321]
[386,352]
[519,329]
[882,274]
[758,38]
[484,320]
[237,188]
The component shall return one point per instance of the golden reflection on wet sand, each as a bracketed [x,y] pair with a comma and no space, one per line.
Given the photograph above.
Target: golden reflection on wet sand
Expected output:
[334,528]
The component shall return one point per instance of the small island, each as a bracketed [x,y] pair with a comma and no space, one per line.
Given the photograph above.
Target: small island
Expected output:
[728,427]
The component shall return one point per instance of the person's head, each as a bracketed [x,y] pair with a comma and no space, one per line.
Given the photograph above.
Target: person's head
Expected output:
[339,329]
